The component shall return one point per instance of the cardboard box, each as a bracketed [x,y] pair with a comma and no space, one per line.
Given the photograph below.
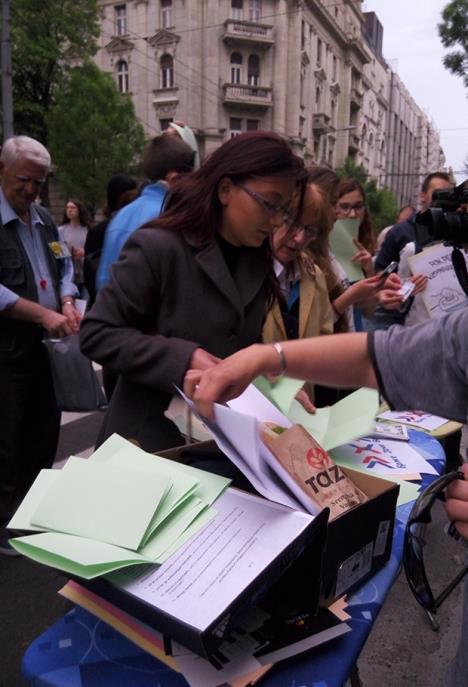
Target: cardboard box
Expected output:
[359,542]
[216,623]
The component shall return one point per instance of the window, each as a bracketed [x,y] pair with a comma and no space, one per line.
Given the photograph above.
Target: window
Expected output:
[253,70]
[334,68]
[122,76]
[303,35]
[236,66]
[120,20]
[318,96]
[167,71]
[238,125]
[235,126]
[164,123]
[319,52]
[236,9]
[166,14]
[255,10]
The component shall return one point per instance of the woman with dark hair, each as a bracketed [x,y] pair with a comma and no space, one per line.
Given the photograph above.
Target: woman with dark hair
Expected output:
[193,286]
[73,231]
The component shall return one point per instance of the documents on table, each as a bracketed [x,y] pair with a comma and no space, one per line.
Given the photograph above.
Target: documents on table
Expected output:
[119,507]
[394,460]
[384,458]
[414,418]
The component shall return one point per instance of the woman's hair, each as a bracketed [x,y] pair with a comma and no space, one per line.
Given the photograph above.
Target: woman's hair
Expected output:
[194,205]
[366,232]
[324,182]
[83,214]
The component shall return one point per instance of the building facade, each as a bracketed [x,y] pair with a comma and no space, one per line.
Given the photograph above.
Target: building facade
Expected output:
[311,70]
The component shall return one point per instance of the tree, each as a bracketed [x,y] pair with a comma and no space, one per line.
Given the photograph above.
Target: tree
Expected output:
[48,39]
[381,202]
[453,31]
[93,133]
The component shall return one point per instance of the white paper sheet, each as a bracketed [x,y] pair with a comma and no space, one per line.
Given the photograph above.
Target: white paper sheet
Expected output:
[205,575]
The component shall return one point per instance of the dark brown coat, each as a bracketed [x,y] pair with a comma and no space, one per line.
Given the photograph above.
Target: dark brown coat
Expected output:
[167,296]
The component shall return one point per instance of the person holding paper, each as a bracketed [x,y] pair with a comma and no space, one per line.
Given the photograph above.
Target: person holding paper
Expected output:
[398,361]
[351,204]
[193,285]
[304,309]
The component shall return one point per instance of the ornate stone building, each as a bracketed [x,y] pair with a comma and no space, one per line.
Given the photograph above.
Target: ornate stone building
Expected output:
[311,70]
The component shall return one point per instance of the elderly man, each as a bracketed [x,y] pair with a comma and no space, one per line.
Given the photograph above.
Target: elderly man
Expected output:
[36,298]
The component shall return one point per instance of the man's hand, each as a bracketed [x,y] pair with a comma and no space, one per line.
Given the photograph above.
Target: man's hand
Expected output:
[73,316]
[456,503]
[55,323]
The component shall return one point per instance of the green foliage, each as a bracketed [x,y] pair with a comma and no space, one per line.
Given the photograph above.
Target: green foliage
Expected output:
[453,31]
[352,170]
[48,38]
[381,202]
[93,133]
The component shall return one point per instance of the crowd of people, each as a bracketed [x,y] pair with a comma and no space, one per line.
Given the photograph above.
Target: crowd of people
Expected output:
[186,276]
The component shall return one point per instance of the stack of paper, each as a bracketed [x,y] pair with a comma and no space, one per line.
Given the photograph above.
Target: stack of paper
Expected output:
[237,433]
[119,507]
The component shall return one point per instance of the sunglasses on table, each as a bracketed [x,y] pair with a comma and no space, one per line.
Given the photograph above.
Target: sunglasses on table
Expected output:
[413,555]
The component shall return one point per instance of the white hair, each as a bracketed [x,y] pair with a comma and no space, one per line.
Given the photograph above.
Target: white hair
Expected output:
[24,147]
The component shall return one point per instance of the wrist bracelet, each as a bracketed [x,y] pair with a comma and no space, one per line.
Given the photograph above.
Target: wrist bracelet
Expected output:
[279,349]
[69,302]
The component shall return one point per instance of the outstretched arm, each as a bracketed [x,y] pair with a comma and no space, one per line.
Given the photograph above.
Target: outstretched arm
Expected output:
[341,360]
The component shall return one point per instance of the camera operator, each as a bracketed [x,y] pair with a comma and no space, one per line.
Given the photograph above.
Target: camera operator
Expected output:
[423,367]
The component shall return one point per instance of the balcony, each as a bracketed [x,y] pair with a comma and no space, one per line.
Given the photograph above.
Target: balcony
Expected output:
[248,32]
[247,96]
[356,97]
[166,96]
[320,122]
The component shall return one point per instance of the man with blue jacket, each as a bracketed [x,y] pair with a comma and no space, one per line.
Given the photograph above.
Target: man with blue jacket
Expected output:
[164,159]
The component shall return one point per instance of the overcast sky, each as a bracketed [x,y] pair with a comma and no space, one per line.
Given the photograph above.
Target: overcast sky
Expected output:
[412,45]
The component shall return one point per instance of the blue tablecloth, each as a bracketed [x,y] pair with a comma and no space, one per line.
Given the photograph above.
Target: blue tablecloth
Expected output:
[82,651]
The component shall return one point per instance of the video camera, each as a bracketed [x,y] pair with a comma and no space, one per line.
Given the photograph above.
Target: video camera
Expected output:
[447,220]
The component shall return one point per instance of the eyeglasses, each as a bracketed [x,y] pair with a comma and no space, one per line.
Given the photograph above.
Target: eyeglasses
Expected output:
[414,544]
[271,208]
[311,231]
[347,207]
